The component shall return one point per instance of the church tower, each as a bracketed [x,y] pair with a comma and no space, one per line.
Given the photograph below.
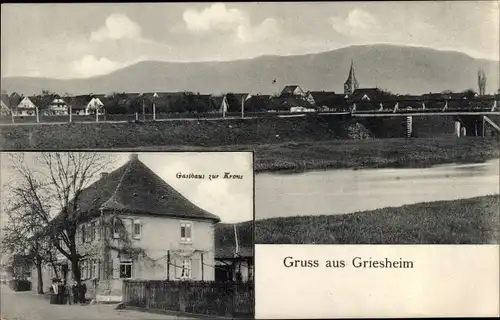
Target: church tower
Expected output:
[351,83]
[481,82]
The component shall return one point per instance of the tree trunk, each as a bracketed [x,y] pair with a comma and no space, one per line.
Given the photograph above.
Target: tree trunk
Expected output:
[39,275]
[76,271]
[55,269]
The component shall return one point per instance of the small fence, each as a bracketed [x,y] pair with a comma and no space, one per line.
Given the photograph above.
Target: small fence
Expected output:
[199,297]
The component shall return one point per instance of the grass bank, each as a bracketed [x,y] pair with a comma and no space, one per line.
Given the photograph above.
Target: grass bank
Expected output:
[374,153]
[358,154]
[467,221]
[195,133]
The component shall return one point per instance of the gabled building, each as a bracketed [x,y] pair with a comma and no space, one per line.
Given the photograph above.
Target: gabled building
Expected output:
[5,105]
[293,90]
[26,107]
[57,107]
[86,104]
[258,103]
[367,94]
[330,101]
[235,101]
[234,252]
[136,226]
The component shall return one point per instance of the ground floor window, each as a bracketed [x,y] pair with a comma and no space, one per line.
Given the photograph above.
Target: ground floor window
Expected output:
[125,269]
[184,269]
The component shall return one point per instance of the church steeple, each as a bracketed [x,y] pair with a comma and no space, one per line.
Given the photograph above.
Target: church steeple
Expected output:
[351,83]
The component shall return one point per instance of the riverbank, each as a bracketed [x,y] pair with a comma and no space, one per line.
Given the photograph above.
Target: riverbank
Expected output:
[374,153]
[467,221]
[359,154]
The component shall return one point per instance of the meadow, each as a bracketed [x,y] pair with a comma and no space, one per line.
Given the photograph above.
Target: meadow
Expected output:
[467,221]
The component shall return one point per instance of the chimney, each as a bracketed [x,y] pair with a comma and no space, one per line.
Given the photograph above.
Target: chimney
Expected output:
[134,156]
[104,175]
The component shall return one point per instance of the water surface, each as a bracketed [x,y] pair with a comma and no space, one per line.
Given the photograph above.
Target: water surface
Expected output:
[341,191]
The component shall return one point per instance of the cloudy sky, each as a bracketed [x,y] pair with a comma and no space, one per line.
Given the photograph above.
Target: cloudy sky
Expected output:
[82,40]
[231,200]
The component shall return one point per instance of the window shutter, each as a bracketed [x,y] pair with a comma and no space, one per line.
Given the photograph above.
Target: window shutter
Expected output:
[98,230]
[116,269]
[136,229]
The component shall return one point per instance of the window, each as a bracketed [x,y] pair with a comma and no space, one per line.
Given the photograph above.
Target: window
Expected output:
[83,233]
[185,232]
[116,233]
[137,229]
[92,232]
[125,269]
[185,270]
[93,269]
[82,270]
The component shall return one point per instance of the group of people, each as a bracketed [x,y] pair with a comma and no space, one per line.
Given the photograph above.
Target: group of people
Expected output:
[60,293]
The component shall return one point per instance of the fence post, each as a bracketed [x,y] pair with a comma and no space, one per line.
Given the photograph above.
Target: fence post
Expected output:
[182,296]
[230,292]
[147,295]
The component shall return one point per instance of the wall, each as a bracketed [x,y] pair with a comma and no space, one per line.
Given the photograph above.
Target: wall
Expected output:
[160,234]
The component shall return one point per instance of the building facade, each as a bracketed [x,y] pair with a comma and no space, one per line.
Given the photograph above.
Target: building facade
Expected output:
[140,228]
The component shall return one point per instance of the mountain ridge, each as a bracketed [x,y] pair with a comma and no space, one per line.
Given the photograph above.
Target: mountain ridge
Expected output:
[399,69]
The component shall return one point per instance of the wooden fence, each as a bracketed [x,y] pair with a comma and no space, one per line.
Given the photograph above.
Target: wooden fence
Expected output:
[200,297]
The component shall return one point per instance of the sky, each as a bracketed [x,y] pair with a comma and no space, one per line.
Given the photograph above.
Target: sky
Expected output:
[85,40]
[231,200]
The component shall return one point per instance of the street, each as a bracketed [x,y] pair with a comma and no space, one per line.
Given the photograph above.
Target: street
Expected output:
[30,306]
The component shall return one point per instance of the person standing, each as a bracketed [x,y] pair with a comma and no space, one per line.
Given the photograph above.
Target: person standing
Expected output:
[74,291]
[83,291]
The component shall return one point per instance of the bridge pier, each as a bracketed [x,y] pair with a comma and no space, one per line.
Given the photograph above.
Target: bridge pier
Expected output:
[409,126]
[458,125]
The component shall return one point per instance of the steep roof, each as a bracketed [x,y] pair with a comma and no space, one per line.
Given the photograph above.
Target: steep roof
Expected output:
[320,96]
[4,97]
[79,102]
[289,89]
[136,189]
[225,240]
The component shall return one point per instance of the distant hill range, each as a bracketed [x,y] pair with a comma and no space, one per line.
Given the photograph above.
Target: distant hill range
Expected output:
[398,69]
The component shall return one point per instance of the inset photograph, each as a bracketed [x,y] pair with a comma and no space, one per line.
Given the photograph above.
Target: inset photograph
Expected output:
[450,203]
[155,232]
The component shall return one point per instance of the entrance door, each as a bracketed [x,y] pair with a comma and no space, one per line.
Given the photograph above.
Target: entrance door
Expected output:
[64,271]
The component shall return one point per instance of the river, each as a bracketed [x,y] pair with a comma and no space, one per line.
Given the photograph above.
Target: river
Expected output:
[342,191]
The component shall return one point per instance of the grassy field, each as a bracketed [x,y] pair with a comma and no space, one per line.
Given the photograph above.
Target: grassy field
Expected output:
[357,154]
[280,144]
[197,133]
[468,221]
[375,153]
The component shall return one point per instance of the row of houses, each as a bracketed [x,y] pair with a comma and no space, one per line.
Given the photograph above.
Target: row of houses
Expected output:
[172,238]
[292,99]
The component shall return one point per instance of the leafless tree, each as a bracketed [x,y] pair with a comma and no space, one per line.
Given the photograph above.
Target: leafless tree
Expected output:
[51,185]
[21,241]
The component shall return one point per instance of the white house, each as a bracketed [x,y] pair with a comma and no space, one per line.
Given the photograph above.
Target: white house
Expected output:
[94,104]
[25,108]
[57,107]
[138,227]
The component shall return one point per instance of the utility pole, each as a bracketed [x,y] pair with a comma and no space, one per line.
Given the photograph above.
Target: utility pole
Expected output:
[202,268]
[143,111]
[168,265]
[242,107]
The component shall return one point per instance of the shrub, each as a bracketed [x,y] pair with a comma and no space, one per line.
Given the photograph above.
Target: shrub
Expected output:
[20,285]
